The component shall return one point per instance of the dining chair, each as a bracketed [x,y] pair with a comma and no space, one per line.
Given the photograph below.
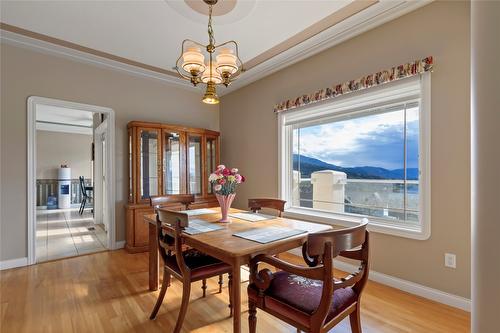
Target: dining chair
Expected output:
[311,298]
[187,266]
[258,203]
[161,200]
[185,200]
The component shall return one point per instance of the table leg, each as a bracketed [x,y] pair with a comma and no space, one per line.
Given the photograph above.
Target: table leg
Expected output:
[236,297]
[153,257]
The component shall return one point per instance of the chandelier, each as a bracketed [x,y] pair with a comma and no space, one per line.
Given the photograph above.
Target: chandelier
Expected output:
[210,64]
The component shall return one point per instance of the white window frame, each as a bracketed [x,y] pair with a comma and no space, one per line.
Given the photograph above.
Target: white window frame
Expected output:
[418,87]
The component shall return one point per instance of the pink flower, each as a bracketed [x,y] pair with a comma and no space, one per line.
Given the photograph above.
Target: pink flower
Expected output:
[238,178]
[221,167]
[226,172]
[222,181]
[217,188]
[234,171]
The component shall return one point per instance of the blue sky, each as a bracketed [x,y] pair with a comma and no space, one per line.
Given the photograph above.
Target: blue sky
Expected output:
[375,140]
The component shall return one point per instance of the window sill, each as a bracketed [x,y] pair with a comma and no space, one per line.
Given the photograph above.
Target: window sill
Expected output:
[375,225]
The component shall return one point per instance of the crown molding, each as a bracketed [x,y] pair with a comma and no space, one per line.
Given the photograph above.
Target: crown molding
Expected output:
[369,18]
[44,46]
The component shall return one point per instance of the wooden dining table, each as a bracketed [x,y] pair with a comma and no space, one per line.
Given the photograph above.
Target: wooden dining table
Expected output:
[236,251]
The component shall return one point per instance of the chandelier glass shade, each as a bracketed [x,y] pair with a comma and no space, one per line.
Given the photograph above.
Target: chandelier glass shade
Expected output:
[211,74]
[209,64]
[193,61]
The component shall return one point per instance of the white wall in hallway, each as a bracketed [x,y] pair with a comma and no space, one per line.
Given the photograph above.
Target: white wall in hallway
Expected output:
[56,148]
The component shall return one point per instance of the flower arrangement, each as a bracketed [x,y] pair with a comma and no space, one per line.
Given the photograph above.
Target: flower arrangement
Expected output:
[225,180]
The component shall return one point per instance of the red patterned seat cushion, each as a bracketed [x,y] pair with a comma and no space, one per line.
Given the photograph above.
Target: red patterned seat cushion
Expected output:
[292,295]
[201,265]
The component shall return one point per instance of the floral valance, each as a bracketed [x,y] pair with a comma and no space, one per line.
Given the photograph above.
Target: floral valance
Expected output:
[395,73]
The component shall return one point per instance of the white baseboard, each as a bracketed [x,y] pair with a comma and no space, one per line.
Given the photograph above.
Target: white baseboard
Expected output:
[13,263]
[404,285]
[119,244]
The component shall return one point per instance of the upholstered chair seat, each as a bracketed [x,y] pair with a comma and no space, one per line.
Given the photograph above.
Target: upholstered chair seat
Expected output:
[199,263]
[296,296]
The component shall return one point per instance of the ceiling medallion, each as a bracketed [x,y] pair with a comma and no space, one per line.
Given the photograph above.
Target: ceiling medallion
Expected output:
[210,64]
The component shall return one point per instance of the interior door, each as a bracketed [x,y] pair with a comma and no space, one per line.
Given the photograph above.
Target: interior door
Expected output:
[101,163]
[104,184]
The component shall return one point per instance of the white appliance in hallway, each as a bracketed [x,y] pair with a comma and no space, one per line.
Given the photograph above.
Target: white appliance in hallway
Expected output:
[64,187]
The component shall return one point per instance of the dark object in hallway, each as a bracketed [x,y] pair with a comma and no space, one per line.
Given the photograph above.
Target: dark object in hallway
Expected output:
[85,195]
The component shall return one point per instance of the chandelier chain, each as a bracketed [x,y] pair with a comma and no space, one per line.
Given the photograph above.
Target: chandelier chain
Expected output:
[211,38]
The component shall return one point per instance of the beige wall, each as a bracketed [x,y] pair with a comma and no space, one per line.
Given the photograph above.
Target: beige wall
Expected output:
[441,29]
[56,148]
[25,73]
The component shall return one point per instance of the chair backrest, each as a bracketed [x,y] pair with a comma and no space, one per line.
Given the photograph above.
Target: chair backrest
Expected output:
[341,239]
[258,203]
[170,224]
[322,247]
[82,185]
[159,201]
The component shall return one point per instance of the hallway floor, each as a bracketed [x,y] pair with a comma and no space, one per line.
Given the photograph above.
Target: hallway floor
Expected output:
[65,233]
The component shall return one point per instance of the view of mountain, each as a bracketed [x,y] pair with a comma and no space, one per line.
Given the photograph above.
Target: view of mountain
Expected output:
[309,165]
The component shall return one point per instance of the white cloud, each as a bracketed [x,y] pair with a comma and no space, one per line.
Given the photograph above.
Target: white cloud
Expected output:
[330,142]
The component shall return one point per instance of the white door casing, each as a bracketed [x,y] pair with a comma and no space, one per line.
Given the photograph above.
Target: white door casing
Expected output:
[32,103]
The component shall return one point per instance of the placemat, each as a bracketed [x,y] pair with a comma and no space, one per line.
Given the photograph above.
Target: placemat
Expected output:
[268,234]
[252,217]
[200,211]
[198,226]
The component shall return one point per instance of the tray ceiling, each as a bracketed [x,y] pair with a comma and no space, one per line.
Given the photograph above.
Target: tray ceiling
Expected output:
[150,32]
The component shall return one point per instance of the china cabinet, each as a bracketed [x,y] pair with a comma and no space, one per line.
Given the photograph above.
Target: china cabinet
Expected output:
[166,159]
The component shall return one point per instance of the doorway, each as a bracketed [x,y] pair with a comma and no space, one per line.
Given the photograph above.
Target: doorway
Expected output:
[71,191]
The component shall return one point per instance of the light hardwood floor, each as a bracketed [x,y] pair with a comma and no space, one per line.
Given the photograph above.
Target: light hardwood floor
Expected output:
[108,292]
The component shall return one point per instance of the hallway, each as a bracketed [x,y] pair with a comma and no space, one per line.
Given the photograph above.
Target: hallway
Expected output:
[65,233]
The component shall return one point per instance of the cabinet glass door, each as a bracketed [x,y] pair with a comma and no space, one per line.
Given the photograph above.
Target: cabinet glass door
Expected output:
[148,163]
[195,170]
[173,166]
[211,159]
[130,166]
